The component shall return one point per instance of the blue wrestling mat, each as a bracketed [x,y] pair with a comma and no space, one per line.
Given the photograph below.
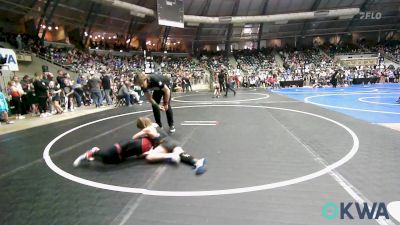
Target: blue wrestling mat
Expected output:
[373,103]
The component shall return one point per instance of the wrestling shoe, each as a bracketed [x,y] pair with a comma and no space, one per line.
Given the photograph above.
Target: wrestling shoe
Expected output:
[85,157]
[172,129]
[89,154]
[200,166]
[81,159]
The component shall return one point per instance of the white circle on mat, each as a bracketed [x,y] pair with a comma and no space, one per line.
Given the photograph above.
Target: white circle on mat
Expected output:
[308,100]
[322,91]
[327,169]
[364,99]
[394,210]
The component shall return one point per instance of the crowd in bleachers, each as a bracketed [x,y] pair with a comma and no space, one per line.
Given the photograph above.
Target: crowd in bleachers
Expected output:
[393,51]
[305,64]
[45,94]
[184,71]
[257,68]
[18,41]
[75,60]
[316,67]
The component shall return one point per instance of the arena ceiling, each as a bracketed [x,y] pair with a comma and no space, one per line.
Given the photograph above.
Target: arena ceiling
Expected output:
[74,13]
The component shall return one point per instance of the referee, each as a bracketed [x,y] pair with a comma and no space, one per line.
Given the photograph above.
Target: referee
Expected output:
[160,85]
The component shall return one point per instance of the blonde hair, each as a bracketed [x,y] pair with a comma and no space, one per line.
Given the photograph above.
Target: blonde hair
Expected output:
[38,76]
[140,78]
[143,122]
[11,83]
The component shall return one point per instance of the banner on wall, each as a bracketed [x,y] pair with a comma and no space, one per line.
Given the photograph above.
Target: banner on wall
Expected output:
[8,60]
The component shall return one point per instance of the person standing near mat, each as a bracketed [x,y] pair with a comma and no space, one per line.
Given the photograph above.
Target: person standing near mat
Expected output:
[334,78]
[160,85]
[228,83]
[221,81]
[216,86]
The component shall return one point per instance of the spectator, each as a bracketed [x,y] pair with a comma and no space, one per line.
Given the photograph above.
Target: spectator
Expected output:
[94,84]
[41,92]
[55,97]
[15,94]
[4,109]
[69,94]
[19,42]
[123,92]
[106,83]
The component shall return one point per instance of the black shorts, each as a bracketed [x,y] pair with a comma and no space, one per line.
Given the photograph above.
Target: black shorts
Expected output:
[55,98]
[169,144]
[120,151]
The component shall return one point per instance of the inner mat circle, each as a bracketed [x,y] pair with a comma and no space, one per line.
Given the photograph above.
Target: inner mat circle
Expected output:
[299,179]
[389,100]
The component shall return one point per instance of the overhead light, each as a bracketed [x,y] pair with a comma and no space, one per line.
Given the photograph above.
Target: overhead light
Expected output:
[120,51]
[86,34]
[109,38]
[127,41]
[154,44]
[44,26]
[49,28]
[97,47]
[90,36]
[95,37]
[102,38]
[56,27]
[115,36]
[178,42]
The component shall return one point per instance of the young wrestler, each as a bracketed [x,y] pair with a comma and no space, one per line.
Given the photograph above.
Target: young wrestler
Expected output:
[116,153]
[151,143]
[217,91]
[164,147]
